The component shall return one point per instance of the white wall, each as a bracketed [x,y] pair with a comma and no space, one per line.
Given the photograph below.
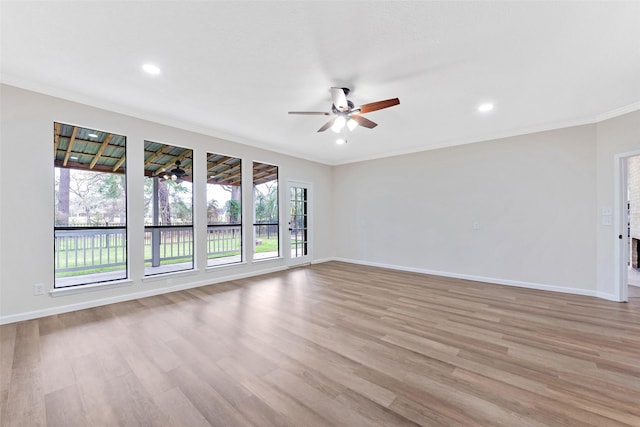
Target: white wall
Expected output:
[533,197]
[537,199]
[26,197]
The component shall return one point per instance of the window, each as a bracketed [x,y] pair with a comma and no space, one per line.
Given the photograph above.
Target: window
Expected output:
[90,234]
[168,202]
[266,214]
[224,210]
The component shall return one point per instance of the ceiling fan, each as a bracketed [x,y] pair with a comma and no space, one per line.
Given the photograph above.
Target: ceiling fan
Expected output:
[177,174]
[346,113]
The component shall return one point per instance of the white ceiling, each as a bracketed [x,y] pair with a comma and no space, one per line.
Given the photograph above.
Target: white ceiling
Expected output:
[234,69]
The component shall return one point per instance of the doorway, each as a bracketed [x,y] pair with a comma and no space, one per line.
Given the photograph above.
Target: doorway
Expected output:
[633,226]
[299,223]
[627,216]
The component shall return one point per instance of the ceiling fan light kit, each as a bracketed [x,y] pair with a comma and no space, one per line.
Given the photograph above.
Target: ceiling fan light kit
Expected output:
[347,115]
[338,124]
[177,174]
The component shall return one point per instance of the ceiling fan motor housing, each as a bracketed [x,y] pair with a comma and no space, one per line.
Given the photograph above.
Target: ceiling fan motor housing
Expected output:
[350,107]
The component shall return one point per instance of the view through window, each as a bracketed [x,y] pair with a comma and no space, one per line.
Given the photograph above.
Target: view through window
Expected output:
[90,231]
[224,210]
[168,199]
[266,214]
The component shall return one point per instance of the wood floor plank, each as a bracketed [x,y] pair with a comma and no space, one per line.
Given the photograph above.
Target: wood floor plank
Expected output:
[332,344]
[64,408]
[7,347]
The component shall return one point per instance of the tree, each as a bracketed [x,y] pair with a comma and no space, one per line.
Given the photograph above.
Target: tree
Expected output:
[112,189]
[82,187]
[62,211]
[213,211]
[179,195]
[163,203]
[266,196]
[233,211]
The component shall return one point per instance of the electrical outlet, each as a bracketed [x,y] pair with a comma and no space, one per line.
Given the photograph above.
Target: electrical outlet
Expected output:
[38,289]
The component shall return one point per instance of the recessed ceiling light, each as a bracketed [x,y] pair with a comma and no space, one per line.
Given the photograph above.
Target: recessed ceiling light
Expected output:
[341,141]
[73,157]
[483,108]
[93,135]
[151,69]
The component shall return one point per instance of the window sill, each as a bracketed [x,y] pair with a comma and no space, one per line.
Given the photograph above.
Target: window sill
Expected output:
[261,260]
[169,275]
[213,268]
[81,289]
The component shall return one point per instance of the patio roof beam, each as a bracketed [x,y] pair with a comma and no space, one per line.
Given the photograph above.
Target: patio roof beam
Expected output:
[104,145]
[70,146]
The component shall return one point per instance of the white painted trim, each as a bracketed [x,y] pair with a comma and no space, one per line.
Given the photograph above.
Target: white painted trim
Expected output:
[81,289]
[263,260]
[169,275]
[121,298]
[321,260]
[492,280]
[618,112]
[506,134]
[221,267]
[610,297]
[619,275]
[464,141]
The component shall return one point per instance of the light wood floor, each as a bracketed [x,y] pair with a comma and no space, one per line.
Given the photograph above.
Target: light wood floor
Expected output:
[330,344]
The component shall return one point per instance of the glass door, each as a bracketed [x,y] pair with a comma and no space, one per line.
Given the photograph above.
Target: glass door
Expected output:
[299,224]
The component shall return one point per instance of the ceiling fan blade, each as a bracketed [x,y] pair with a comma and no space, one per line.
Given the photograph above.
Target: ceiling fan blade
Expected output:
[327,125]
[374,106]
[311,113]
[339,99]
[364,122]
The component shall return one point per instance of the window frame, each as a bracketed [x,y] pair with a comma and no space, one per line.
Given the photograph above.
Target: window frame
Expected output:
[155,232]
[256,241]
[87,148]
[214,262]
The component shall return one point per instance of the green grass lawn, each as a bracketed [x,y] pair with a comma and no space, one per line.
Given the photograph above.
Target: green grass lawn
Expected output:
[267,245]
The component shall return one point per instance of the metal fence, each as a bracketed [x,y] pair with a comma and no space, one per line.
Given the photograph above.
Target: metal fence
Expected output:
[92,248]
[224,240]
[266,230]
[174,243]
[89,248]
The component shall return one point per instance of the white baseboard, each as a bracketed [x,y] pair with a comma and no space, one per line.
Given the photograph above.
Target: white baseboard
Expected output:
[609,297]
[128,297]
[493,280]
[321,260]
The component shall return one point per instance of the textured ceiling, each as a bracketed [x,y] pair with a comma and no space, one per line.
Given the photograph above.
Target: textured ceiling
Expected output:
[234,69]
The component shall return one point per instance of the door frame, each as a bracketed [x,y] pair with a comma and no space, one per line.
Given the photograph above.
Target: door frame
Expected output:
[308,258]
[621,249]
